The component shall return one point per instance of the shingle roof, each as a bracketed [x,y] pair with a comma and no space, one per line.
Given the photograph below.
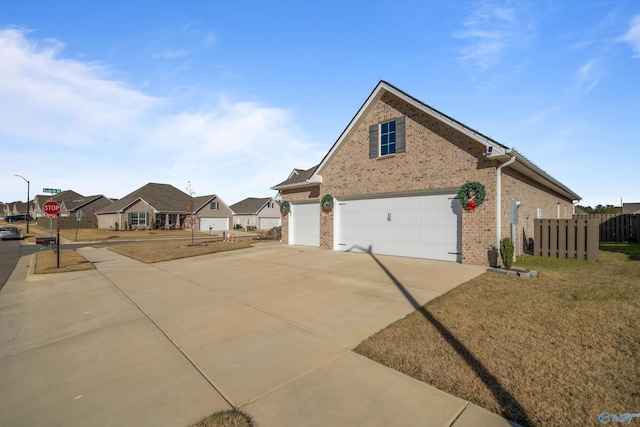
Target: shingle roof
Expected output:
[298,176]
[500,152]
[162,197]
[630,208]
[250,205]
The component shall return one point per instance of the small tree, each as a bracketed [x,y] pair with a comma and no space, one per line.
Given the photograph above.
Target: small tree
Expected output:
[506,252]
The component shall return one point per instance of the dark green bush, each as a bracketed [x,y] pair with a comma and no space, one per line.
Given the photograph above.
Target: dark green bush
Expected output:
[506,252]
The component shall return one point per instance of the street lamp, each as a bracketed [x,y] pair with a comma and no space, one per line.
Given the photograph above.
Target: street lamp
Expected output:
[28,207]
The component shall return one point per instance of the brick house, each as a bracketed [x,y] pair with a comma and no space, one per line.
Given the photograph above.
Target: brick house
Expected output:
[391,181]
[162,206]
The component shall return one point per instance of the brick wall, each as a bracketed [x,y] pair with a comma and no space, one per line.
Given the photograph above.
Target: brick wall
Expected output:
[532,196]
[437,157]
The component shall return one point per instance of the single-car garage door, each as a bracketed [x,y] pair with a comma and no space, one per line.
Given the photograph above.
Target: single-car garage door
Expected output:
[304,224]
[268,223]
[426,226]
[207,224]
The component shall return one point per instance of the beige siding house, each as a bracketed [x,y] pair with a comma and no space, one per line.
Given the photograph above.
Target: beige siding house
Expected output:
[261,213]
[212,213]
[392,184]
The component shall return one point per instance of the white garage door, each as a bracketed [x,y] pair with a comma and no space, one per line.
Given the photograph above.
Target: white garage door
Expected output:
[304,224]
[214,223]
[269,223]
[413,226]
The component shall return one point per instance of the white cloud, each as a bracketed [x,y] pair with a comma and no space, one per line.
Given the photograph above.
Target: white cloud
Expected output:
[97,135]
[587,76]
[632,36]
[61,100]
[491,30]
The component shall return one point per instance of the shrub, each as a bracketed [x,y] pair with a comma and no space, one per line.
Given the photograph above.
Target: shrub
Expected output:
[506,252]
[275,233]
[117,227]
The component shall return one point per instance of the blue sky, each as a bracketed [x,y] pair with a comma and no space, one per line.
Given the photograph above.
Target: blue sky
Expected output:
[104,97]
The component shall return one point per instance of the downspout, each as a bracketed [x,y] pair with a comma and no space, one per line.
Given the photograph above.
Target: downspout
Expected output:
[499,202]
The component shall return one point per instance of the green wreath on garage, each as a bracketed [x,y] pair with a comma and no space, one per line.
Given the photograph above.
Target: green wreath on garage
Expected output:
[326,204]
[471,195]
[285,208]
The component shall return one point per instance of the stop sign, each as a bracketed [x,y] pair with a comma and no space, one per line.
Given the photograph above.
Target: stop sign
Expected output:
[51,208]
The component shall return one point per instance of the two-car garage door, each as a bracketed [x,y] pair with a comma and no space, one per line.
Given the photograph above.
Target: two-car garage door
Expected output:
[422,226]
[425,226]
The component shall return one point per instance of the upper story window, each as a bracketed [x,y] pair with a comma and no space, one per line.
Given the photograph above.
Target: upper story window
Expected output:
[387,138]
[270,204]
[214,206]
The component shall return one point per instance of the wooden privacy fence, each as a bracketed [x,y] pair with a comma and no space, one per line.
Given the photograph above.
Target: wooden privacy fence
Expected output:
[566,238]
[70,222]
[616,227]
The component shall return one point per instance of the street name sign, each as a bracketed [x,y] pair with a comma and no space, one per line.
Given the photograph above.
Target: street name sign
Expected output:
[51,190]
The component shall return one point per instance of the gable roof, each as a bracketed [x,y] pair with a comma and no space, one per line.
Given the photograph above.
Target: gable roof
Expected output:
[84,201]
[297,177]
[202,201]
[494,150]
[250,205]
[162,197]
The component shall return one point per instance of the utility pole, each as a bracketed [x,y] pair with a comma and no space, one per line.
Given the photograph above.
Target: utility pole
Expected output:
[28,203]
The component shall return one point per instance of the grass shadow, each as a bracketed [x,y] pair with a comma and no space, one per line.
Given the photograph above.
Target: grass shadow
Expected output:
[631,250]
[509,404]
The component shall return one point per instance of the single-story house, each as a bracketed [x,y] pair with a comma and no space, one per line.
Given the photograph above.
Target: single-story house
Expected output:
[65,199]
[16,208]
[72,202]
[405,179]
[212,213]
[160,206]
[262,213]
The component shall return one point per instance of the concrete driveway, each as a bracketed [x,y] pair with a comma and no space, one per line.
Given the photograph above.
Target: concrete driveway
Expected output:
[268,330]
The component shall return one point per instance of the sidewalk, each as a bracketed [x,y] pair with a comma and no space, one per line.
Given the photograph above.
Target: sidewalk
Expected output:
[265,329]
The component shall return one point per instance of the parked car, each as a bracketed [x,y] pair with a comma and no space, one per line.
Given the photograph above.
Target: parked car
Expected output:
[15,218]
[8,233]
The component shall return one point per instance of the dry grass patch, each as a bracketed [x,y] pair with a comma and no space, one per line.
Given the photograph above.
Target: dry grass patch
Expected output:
[232,418]
[159,251]
[102,235]
[47,261]
[556,350]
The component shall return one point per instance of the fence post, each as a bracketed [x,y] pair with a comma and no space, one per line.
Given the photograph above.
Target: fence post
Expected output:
[593,241]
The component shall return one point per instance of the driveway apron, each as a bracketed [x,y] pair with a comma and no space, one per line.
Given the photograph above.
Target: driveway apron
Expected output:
[269,330]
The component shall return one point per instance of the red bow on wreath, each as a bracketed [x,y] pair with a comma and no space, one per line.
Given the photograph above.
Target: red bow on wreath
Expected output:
[471,204]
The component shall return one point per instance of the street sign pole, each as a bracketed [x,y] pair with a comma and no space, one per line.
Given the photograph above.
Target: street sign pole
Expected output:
[58,241]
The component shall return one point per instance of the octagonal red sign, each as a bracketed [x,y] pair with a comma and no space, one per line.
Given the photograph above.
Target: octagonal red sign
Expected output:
[51,208]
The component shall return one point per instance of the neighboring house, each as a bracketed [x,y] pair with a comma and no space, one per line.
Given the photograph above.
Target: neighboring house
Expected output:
[65,198]
[212,213]
[17,208]
[391,182]
[262,213]
[631,208]
[152,205]
[164,206]
[89,205]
